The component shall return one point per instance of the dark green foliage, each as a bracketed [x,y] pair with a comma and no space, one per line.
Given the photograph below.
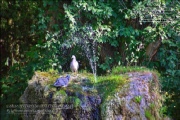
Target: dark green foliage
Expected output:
[42,35]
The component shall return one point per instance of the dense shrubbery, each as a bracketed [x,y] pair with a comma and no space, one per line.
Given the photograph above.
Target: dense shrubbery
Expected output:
[49,32]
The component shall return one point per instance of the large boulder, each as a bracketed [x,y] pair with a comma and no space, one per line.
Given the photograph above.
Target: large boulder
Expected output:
[79,100]
[137,99]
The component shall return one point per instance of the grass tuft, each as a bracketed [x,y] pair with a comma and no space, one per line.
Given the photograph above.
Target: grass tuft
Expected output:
[108,85]
[125,69]
[148,115]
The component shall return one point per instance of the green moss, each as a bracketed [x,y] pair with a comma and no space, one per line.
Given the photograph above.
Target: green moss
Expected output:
[51,88]
[148,115]
[60,92]
[77,102]
[74,87]
[108,85]
[125,69]
[152,105]
[72,100]
[87,75]
[52,75]
[137,99]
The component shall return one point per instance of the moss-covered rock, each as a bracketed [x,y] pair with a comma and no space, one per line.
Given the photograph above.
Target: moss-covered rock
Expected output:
[117,96]
[134,101]
[79,100]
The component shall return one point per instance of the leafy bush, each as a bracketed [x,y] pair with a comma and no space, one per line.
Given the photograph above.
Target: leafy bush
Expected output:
[50,32]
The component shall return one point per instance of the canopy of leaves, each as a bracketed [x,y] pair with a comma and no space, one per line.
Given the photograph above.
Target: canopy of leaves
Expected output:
[42,35]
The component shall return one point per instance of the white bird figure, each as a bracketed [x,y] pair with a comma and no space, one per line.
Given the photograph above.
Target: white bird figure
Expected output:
[74,64]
